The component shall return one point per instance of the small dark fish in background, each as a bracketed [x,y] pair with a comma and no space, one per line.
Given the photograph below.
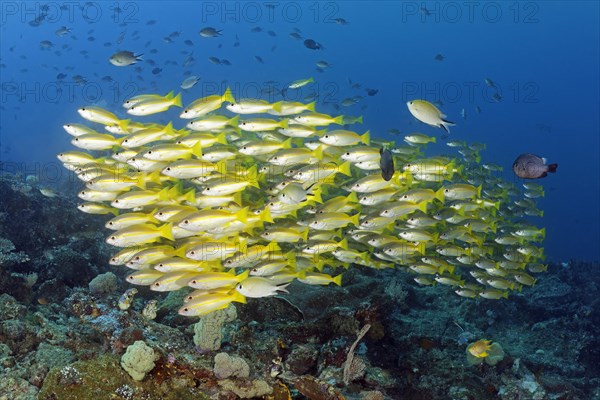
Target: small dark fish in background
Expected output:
[386,162]
[311,44]
[530,166]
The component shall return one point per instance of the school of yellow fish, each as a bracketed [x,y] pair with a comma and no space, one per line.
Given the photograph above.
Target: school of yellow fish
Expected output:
[242,202]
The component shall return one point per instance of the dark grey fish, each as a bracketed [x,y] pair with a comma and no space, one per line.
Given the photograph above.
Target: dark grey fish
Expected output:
[386,162]
[311,44]
[530,166]
[210,32]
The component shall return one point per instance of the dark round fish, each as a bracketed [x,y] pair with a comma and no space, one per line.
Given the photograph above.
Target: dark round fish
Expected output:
[386,162]
[530,166]
[311,44]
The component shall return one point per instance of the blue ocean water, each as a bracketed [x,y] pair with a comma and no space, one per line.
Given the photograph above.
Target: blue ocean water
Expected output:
[543,58]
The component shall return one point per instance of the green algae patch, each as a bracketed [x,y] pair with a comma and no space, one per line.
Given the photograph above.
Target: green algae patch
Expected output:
[103,378]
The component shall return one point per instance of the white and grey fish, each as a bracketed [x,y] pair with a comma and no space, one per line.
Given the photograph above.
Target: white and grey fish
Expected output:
[124,58]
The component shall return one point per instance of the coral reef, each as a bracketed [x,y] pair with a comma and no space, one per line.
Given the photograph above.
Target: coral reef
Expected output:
[138,360]
[60,341]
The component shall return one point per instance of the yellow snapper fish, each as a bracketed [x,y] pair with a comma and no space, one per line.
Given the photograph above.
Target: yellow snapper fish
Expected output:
[198,202]
[78,129]
[252,106]
[206,104]
[257,286]
[156,105]
[429,114]
[140,234]
[98,115]
[207,303]
[342,137]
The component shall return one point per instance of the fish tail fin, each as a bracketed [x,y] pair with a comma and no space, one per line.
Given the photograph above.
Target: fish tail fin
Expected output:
[311,106]
[446,125]
[190,196]
[552,167]
[318,152]
[337,280]
[359,119]
[283,123]
[234,121]
[354,219]
[168,193]
[344,168]
[352,197]
[221,138]
[166,231]
[366,138]
[177,100]
[316,195]
[440,194]
[265,215]
[238,297]
[242,215]
[227,96]
[197,150]
[343,244]
[277,106]
[124,124]
[221,166]
[339,120]
[287,144]
[237,198]
[305,235]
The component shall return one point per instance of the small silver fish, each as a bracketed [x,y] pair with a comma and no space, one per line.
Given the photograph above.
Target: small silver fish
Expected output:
[530,166]
[124,58]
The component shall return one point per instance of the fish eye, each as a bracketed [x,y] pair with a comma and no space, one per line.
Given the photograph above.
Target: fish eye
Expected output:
[446,190]
[267,233]
[156,284]
[83,109]
[192,252]
[113,238]
[149,152]
[207,189]
[110,223]
[168,168]
[185,309]
[186,221]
